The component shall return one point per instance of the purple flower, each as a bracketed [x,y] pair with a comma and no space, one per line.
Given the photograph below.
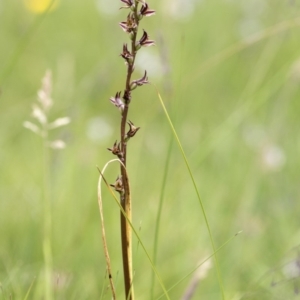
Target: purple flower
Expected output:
[128,3]
[117,101]
[126,53]
[144,41]
[129,25]
[145,11]
[140,82]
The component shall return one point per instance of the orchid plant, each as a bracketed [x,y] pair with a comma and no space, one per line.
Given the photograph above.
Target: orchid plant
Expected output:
[138,9]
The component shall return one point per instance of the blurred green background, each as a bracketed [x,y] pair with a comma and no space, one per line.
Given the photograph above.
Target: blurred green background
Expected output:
[229,73]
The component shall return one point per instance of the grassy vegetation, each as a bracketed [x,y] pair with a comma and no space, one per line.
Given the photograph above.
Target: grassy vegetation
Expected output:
[229,74]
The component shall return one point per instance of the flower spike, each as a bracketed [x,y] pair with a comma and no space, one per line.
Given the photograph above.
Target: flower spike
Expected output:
[137,10]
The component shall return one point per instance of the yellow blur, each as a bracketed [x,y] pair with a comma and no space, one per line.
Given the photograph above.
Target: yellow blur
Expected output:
[40,6]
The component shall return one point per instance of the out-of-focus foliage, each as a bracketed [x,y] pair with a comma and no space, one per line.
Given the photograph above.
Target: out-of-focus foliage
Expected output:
[229,73]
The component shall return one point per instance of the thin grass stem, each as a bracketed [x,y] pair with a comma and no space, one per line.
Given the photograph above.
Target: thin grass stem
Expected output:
[47,237]
[159,212]
[197,193]
[29,290]
[205,260]
[242,45]
[106,252]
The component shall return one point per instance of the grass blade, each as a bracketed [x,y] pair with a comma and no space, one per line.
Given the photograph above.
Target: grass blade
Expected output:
[29,290]
[197,192]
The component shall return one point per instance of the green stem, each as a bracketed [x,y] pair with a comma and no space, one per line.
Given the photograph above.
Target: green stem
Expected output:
[47,216]
[197,193]
[159,211]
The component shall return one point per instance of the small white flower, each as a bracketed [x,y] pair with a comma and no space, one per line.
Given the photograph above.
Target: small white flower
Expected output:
[44,99]
[38,114]
[44,94]
[34,128]
[59,122]
[57,144]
